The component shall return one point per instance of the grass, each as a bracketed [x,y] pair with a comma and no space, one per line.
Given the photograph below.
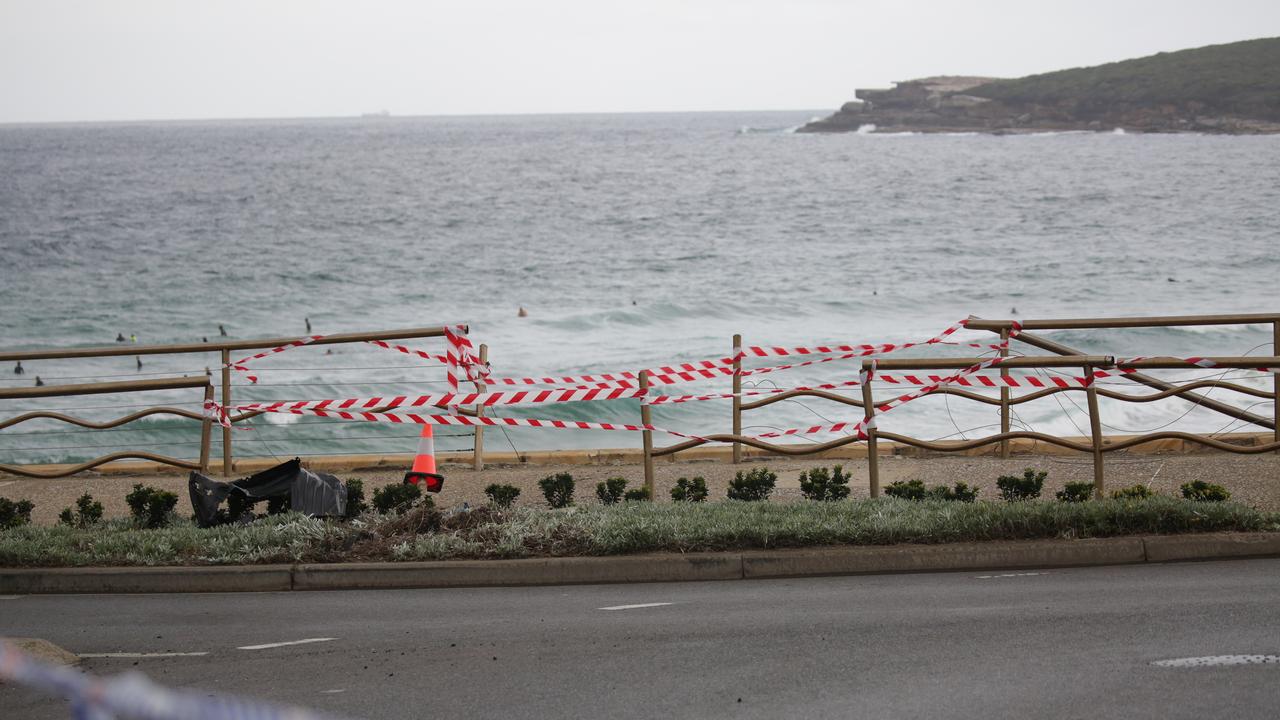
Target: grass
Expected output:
[1241,78]
[616,529]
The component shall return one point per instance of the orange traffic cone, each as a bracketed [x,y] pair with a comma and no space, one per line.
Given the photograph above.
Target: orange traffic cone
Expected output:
[424,465]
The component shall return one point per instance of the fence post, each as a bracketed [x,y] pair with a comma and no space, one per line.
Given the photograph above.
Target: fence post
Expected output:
[1275,380]
[737,396]
[647,435]
[1004,394]
[226,408]
[206,430]
[869,413]
[1095,428]
[477,453]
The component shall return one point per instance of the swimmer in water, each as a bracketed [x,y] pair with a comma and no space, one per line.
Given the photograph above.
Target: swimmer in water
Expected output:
[522,313]
[139,359]
[308,324]
[133,338]
[222,330]
[17,369]
[119,337]
[39,382]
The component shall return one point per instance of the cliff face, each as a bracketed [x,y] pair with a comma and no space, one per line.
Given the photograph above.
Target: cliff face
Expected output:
[1231,88]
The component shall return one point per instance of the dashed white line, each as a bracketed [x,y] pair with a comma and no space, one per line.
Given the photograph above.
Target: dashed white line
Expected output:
[1009,575]
[282,644]
[141,655]
[634,607]
[9,597]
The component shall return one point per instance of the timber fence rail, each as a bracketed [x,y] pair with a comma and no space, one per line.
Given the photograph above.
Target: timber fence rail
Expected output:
[111,388]
[224,351]
[962,378]
[1015,330]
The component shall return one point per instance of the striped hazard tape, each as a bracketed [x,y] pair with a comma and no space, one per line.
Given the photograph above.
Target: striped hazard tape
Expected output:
[506,397]
[240,366]
[721,367]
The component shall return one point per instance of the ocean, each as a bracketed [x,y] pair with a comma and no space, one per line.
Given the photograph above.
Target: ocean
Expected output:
[631,240]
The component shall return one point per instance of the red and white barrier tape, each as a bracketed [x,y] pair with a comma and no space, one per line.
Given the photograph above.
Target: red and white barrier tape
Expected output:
[877,349]
[506,397]
[239,365]
[409,351]
[720,367]
[1198,362]
[465,420]
[978,381]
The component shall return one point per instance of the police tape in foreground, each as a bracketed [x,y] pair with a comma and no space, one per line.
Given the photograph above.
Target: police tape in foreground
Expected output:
[132,695]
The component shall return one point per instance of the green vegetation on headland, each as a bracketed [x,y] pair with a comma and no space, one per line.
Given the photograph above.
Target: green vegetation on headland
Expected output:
[1232,88]
[424,533]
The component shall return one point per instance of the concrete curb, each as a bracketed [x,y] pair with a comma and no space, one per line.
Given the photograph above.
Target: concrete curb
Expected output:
[235,578]
[666,567]
[537,571]
[953,556]
[1172,548]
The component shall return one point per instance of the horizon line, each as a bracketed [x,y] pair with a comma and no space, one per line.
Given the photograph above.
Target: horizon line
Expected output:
[392,116]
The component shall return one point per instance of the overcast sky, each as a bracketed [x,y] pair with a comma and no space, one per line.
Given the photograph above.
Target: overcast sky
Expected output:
[160,59]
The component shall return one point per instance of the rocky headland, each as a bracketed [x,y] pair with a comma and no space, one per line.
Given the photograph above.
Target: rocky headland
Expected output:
[1227,89]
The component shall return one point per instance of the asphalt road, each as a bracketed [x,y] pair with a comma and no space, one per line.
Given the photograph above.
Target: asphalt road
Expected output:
[1075,643]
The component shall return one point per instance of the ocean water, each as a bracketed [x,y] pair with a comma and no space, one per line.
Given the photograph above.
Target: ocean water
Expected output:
[632,241]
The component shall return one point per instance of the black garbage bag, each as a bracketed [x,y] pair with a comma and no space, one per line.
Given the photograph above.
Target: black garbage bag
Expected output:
[312,493]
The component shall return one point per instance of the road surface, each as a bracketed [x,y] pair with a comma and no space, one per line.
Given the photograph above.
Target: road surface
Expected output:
[1074,643]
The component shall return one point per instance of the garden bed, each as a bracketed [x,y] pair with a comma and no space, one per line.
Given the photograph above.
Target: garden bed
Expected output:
[627,527]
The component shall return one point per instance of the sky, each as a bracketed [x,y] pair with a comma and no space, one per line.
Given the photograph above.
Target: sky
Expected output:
[94,60]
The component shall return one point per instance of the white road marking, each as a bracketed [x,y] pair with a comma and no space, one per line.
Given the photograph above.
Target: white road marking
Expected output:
[1007,575]
[141,655]
[633,607]
[335,691]
[9,597]
[282,644]
[1217,660]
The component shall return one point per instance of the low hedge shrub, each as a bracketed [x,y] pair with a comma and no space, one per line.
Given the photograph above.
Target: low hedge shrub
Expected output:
[1075,492]
[906,489]
[1027,487]
[557,489]
[13,514]
[640,494]
[753,486]
[356,505]
[1133,492]
[916,490]
[686,490]
[88,512]
[1205,492]
[396,498]
[825,485]
[960,492]
[151,508]
[611,490]
[503,496]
